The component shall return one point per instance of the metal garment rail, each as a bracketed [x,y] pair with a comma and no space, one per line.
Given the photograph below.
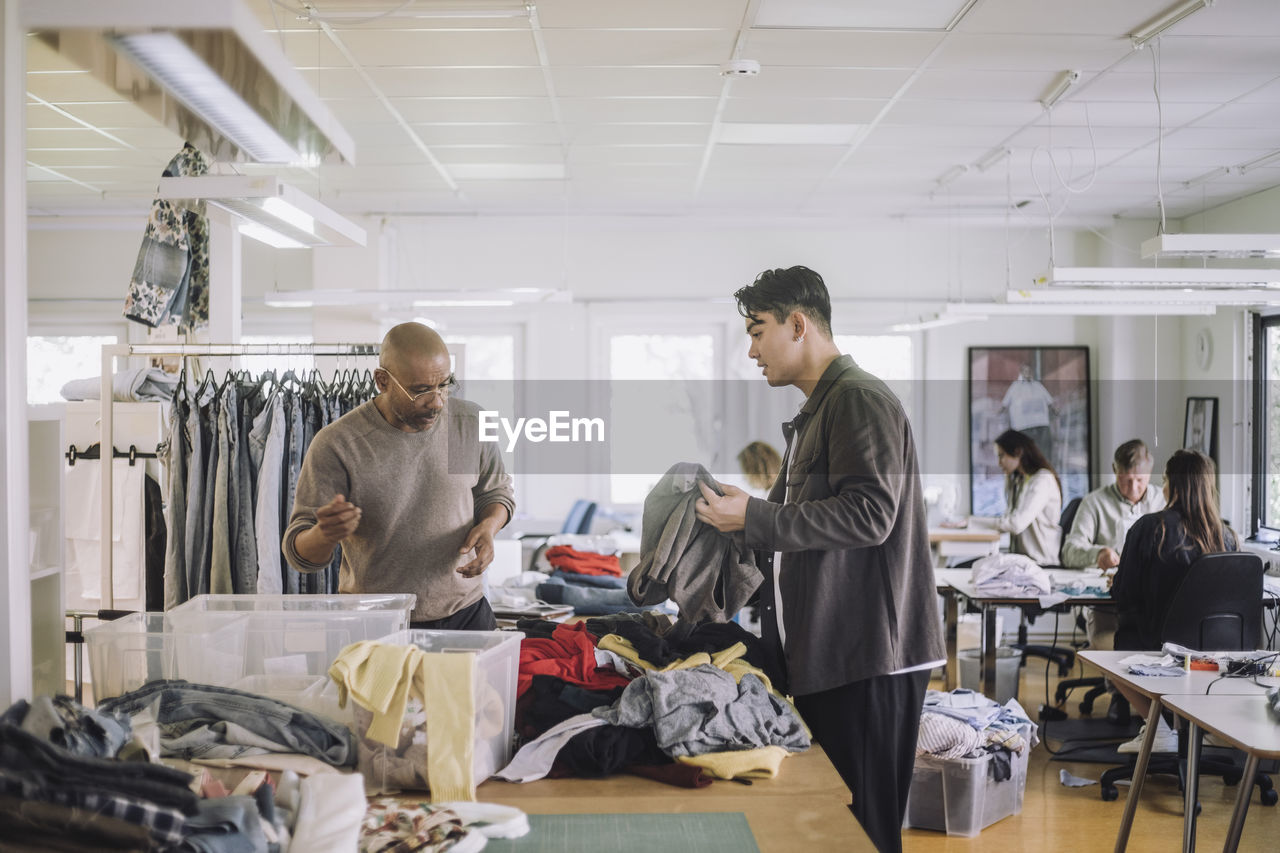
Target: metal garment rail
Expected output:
[110,352]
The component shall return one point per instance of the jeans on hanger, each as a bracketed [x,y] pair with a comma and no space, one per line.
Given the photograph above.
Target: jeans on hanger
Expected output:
[177,457]
[292,467]
[268,437]
[225,491]
[244,545]
[199,495]
[204,721]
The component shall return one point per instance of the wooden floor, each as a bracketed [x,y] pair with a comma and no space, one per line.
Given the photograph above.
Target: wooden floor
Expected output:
[1055,817]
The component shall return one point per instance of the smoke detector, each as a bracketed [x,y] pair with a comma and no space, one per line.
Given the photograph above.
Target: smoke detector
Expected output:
[740,68]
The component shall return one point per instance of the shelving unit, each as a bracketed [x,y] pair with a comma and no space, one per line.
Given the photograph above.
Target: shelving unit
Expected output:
[48,631]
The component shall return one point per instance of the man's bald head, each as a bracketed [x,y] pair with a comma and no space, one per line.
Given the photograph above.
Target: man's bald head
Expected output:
[408,345]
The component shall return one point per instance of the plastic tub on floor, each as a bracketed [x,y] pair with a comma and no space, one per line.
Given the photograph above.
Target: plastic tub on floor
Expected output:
[496,665]
[960,796]
[1008,661]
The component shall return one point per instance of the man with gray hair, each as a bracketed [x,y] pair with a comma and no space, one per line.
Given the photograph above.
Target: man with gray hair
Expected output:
[1102,522]
[405,486]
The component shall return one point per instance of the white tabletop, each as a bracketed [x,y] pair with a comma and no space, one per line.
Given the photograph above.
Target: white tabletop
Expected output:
[1194,682]
[1242,720]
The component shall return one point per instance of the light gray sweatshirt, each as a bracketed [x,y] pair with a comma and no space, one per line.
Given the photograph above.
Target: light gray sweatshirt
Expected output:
[419,493]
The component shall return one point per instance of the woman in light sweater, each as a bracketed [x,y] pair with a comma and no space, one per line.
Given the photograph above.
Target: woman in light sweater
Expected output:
[1033,495]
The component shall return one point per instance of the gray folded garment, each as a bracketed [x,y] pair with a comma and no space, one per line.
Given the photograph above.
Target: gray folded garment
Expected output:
[127,386]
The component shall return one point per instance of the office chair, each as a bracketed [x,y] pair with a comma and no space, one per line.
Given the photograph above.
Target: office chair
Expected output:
[1096,684]
[1218,607]
[579,519]
[1064,658]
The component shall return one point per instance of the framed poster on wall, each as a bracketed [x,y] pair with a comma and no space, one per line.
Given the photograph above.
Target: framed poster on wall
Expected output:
[1040,391]
[1201,426]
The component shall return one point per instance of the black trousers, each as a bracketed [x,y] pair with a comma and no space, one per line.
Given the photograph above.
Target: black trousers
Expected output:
[473,617]
[868,729]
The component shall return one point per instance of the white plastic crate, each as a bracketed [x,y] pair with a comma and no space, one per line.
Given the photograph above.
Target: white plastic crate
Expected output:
[958,795]
[126,653]
[290,636]
[496,667]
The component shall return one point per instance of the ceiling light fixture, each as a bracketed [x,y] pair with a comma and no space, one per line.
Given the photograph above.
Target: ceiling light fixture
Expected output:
[1061,84]
[517,10]
[1220,172]
[415,298]
[1156,26]
[1212,246]
[1147,277]
[207,71]
[1083,309]
[268,202]
[951,174]
[934,321]
[992,157]
[1164,296]
[1264,160]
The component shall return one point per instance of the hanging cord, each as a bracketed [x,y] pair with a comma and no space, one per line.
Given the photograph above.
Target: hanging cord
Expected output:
[1093,148]
[1155,87]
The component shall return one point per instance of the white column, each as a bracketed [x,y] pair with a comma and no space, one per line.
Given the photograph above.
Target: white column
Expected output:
[15,581]
[225,268]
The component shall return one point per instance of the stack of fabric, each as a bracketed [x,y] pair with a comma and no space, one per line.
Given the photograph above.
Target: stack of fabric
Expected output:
[586,574]
[965,724]
[1015,575]
[629,693]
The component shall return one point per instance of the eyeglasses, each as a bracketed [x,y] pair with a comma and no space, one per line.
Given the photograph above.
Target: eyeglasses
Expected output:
[442,389]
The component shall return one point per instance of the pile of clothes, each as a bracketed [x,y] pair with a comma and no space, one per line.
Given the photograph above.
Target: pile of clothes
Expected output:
[965,724]
[1013,575]
[586,574]
[633,693]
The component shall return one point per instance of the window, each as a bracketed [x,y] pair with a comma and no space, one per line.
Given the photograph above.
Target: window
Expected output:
[887,357]
[1266,423]
[685,424]
[55,360]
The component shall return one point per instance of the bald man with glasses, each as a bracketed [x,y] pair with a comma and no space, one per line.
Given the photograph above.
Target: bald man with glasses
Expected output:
[405,486]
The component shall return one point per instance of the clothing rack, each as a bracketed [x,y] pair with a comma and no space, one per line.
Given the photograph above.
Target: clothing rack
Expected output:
[110,352]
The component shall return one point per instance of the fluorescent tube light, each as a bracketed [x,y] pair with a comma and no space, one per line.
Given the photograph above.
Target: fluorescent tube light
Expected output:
[951,174]
[1103,277]
[271,203]
[1069,309]
[415,298]
[518,10]
[177,68]
[992,157]
[1264,160]
[1220,172]
[1061,84]
[934,321]
[1156,26]
[1164,296]
[271,237]
[1212,246]
[206,70]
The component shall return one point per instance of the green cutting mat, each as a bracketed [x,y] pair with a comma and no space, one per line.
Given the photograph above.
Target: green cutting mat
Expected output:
[706,832]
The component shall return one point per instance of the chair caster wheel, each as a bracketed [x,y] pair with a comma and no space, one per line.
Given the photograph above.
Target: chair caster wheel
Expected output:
[1270,797]
[1109,793]
[1232,777]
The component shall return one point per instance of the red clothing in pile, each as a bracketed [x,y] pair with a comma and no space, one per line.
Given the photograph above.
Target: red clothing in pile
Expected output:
[569,655]
[584,562]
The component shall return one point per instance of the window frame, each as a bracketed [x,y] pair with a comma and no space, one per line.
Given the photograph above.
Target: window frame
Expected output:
[1262,323]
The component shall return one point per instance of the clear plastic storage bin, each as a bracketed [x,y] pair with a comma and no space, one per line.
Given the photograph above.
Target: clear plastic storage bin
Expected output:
[126,653]
[496,667]
[291,636]
[959,796]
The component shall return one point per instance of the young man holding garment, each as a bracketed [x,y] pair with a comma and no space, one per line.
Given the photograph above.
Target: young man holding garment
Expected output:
[848,601]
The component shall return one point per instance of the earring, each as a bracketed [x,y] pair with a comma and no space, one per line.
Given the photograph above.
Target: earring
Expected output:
[798,339]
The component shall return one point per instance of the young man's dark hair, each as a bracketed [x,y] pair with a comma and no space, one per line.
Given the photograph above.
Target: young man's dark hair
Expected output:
[782,291]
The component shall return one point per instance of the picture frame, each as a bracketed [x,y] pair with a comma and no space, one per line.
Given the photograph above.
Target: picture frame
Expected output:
[1041,391]
[1200,427]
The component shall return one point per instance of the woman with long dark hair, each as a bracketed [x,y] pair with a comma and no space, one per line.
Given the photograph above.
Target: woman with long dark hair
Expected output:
[1158,552]
[1033,497]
